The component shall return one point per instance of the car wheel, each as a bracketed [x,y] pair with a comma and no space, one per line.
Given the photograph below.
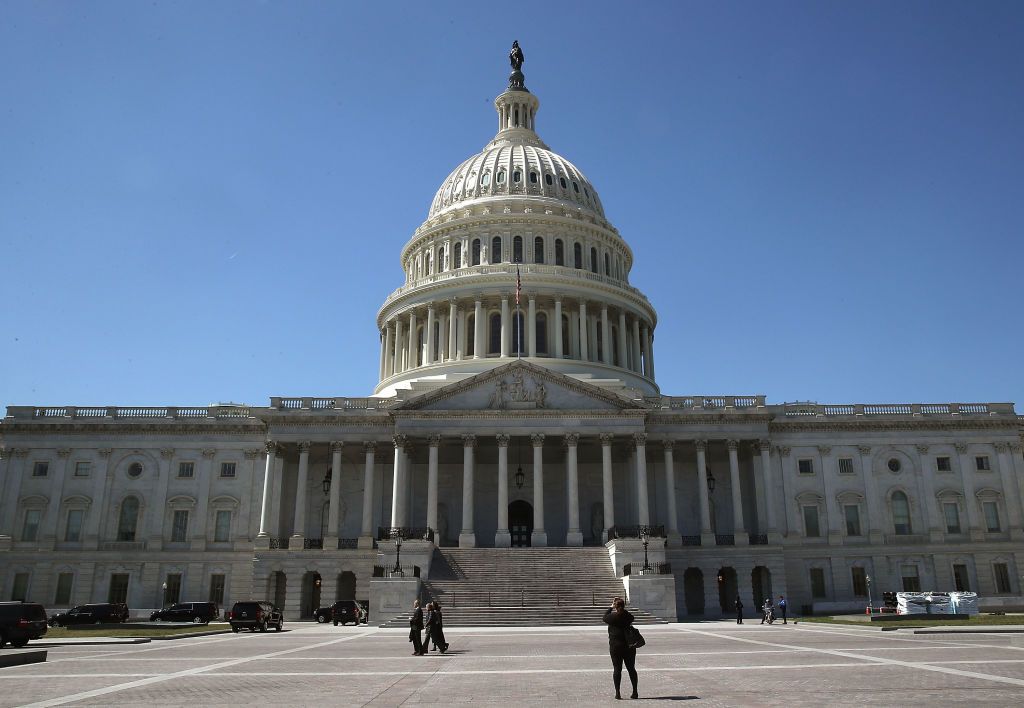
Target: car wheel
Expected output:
[197,620]
[263,627]
[335,623]
[3,640]
[18,643]
[280,626]
[322,619]
[235,630]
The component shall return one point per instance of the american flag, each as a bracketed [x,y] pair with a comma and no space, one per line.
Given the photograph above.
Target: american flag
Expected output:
[519,286]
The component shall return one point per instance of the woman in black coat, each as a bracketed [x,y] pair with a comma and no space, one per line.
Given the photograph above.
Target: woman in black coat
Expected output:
[435,628]
[619,620]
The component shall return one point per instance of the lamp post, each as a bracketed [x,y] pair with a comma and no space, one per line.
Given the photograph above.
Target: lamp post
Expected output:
[645,537]
[163,602]
[398,556]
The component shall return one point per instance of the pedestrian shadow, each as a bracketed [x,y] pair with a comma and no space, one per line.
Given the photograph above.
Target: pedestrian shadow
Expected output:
[670,698]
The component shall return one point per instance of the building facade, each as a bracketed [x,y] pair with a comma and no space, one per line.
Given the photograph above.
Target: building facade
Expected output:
[517,405]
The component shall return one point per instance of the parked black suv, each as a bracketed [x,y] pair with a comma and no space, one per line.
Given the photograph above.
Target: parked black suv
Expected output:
[21,621]
[343,612]
[196,612]
[100,613]
[253,615]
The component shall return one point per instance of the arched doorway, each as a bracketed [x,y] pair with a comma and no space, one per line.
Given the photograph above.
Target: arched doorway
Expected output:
[693,591]
[761,582]
[520,523]
[310,599]
[347,585]
[727,589]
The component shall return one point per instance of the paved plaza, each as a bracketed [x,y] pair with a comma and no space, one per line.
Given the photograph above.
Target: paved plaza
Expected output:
[716,663]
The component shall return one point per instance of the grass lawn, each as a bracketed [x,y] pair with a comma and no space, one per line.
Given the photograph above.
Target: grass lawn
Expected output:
[976,621]
[65,633]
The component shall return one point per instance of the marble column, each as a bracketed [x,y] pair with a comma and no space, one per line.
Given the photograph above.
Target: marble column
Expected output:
[299,525]
[1011,498]
[268,481]
[584,353]
[366,532]
[159,501]
[672,526]
[765,451]
[396,367]
[99,499]
[834,531]
[506,329]
[974,521]
[454,351]
[502,538]
[48,529]
[199,536]
[413,342]
[643,514]
[645,359]
[574,535]
[636,346]
[531,328]
[398,483]
[467,537]
[707,534]
[872,504]
[428,336]
[384,338]
[539,537]
[433,443]
[334,501]
[558,329]
[606,337]
[623,359]
[607,484]
[478,329]
[739,528]
[650,356]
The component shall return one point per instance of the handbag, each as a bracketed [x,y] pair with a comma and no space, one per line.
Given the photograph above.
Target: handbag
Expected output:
[634,640]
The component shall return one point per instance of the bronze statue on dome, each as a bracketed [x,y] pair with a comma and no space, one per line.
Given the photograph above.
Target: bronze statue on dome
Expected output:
[515,57]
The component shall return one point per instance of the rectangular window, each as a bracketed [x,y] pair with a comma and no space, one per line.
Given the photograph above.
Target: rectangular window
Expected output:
[942,464]
[227,469]
[817,583]
[83,468]
[961,581]
[852,513]
[30,529]
[217,589]
[811,528]
[222,526]
[186,469]
[63,595]
[981,463]
[911,580]
[860,581]
[952,513]
[805,466]
[991,510]
[845,465]
[1002,573]
[40,469]
[19,591]
[73,530]
[118,591]
[173,592]
[179,527]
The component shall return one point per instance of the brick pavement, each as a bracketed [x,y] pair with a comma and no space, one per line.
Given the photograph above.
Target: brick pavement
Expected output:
[717,663]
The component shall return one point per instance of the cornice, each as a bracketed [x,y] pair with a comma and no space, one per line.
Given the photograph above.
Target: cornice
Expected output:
[892,425]
[518,415]
[122,428]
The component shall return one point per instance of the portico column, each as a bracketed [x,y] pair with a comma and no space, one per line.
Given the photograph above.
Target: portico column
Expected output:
[428,357]
[502,538]
[268,481]
[707,535]
[433,442]
[1010,496]
[672,527]
[478,314]
[644,358]
[159,501]
[623,361]
[765,450]
[584,355]
[531,329]
[607,484]
[389,357]
[467,537]
[558,329]
[453,326]
[48,535]
[636,346]
[413,343]
[643,501]
[299,527]
[333,512]
[606,340]
[506,328]
[384,353]
[398,483]
[574,536]
[650,354]
[203,501]
[99,500]
[739,529]
[366,532]
[396,367]
[539,537]
[871,501]
[970,500]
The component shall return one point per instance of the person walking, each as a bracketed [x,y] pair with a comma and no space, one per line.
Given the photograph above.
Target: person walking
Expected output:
[619,620]
[436,629]
[415,627]
[428,623]
[782,608]
[769,611]
[739,610]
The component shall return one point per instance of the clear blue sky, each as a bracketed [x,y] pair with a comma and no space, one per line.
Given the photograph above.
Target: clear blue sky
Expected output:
[205,201]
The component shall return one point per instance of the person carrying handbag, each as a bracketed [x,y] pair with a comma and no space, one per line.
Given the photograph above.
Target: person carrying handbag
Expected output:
[623,640]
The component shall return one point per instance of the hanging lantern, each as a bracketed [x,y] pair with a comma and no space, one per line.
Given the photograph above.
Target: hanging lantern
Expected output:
[326,484]
[520,478]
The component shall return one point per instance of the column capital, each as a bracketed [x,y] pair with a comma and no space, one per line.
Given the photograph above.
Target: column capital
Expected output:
[270,447]
[766,446]
[209,453]
[606,439]
[64,452]
[732,445]
[864,449]
[668,444]
[469,440]
[430,307]
[1015,447]
[303,446]
[784,450]
[167,453]
[701,444]
[401,441]
[1002,447]
[434,440]
[502,439]
[537,439]
[922,449]
[337,445]
[19,451]
[252,454]
[639,439]
[105,452]
[825,450]
[572,439]
[961,447]
[370,446]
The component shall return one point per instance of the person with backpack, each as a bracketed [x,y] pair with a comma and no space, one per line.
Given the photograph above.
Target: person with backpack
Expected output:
[620,628]
[769,611]
[782,608]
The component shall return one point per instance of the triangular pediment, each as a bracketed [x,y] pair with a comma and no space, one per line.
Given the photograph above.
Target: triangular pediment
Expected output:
[519,385]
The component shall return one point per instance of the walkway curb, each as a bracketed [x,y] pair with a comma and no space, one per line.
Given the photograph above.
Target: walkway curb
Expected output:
[22,657]
[97,641]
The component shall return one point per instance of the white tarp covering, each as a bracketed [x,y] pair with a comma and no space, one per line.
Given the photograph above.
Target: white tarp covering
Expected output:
[964,603]
[923,603]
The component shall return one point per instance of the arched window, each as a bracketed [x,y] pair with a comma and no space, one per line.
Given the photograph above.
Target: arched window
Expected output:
[470,335]
[577,255]
[495,335]
[518,334]
[440,259]
[517,176]
[901,514]
[533,178]
[501,177]
[476,252]
[538,250]
[593,259]
[548,180]
[559,252]
[607,265]
[561,181]
[565,337]
[542,333]
[517,249]
[485,179]
[576,188]
[128,520]
[457,258]
[496,249]
[429,258]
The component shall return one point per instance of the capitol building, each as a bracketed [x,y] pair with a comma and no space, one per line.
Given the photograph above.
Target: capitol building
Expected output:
[517,412]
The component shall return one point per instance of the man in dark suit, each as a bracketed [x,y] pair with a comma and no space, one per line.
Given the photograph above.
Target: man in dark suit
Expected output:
[416,629]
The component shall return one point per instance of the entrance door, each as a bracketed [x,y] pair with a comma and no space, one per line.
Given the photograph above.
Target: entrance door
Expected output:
[520,523]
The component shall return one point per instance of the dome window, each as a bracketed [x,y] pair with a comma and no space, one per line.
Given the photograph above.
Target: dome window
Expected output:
[501,177]
[593,260]
[548,180]
[577,256]
[559,252]
[533,178]
[485,179]
[538,250]
[496,249]
[607,265]
[561,181]
[576,188]
[476,252]
[457,258]
[517,176]
[517,249]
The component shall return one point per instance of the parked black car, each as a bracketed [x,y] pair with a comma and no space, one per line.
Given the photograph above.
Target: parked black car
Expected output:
[20,622]
[253,615]
[341,612]
[196,612]
[100,613]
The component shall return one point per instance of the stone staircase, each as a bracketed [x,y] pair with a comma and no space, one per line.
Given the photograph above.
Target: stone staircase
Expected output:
[522,587]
